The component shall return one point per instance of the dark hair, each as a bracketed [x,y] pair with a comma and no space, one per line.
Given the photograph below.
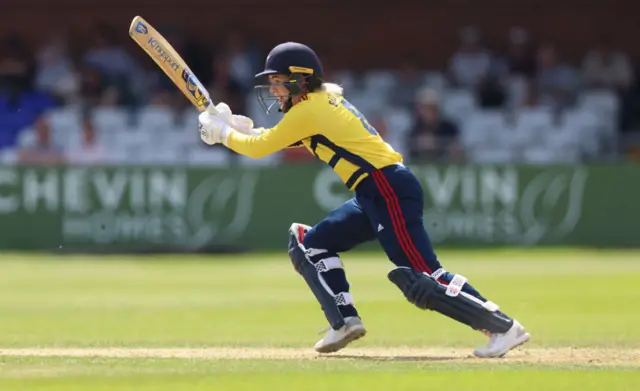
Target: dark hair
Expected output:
[314,84]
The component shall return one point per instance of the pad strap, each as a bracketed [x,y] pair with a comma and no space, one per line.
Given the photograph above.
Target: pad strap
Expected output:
[344,298]
[438,273]
[327,264]
[455,285]
[312,252]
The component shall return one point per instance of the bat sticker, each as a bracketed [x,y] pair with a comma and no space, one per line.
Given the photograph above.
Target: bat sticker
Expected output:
[141,28]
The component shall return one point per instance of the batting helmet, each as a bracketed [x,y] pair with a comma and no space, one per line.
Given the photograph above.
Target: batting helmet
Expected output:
[295,60]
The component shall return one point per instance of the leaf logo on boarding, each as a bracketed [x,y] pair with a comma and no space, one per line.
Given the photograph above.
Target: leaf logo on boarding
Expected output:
[141,28]
[220,208]
[520,206]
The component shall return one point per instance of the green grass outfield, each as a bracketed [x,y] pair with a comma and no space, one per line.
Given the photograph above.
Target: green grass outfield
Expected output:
[248,322]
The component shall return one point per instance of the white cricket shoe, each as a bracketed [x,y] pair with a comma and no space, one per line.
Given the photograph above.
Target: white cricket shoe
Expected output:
[338,339]
[500,344]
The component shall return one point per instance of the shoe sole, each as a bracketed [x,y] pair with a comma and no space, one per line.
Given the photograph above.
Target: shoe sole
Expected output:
[334,347]
[523,339]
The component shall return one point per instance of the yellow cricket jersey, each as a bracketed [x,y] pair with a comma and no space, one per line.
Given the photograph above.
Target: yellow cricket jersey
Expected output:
[332,129]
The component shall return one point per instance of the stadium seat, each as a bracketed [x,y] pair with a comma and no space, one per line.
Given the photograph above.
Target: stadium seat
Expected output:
[585,127]
[376,82]
[207,156]
[458,104]
[605,104]
[65,123]
[436,81]
[156,119]
[131,141]
[26,138]
[64,118]
[188,119]
[9,156]
[482,125]
[181,138]
[517,90]
[492,155]
[539,155]
[398,123]
[566,144]
[110,119]
[345,78]
[599,101]
[487,138]
[532,126]
[163,154]
[186,130]
[370,105]
[553,144]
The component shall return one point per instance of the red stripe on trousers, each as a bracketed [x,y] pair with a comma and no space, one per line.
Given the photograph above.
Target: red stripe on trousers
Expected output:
[403,225]
[394,221]
[384,183]
[397,220]
[394,208]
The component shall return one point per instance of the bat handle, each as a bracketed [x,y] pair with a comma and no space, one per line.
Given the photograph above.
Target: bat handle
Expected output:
[211,109]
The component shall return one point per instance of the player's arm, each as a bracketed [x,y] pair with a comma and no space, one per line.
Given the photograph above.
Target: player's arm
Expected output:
[259,131]
[296,125]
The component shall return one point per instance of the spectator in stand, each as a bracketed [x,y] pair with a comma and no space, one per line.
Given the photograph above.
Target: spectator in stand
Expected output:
[515,70]
[409,82]
[90,151]
[432,137]
[556,83]
[117,67]
[520,59]
[243,60]
[226,88]
[56,73]
[95,90]
[471,63]
[606,67]
[490,93]
[43,151]
[164,98]
[20,106]
[632,106]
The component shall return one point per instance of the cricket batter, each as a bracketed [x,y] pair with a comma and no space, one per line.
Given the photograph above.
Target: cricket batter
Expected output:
[387,206]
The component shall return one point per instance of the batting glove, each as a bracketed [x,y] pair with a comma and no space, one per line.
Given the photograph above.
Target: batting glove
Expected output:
[213,129]
[239,122]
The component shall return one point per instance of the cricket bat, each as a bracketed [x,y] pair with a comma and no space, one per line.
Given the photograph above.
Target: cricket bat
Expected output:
[157,47]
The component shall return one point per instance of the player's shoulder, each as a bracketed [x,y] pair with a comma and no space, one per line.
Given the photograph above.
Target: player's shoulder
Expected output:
[324,101]
[313,103]
[317,97]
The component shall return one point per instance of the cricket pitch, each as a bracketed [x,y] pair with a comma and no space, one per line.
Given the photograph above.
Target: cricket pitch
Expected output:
[537,356]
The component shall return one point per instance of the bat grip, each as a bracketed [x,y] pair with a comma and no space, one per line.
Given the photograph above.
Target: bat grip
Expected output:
[211,109]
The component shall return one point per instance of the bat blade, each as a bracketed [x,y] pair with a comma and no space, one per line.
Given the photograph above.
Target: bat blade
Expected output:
[168,59]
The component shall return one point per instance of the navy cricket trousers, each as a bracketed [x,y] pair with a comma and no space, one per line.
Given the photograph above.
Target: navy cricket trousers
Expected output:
[388,207]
